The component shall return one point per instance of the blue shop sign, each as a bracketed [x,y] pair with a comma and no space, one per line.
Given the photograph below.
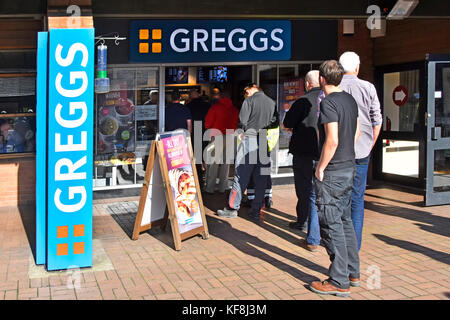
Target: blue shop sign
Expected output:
[70,145]
[178,41]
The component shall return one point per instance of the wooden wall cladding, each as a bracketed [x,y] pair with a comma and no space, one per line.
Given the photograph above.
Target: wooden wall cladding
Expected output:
[361,43]
[410,40]
[19,33]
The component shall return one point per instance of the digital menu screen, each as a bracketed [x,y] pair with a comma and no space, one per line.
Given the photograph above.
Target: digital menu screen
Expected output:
[176,75]
[217,74]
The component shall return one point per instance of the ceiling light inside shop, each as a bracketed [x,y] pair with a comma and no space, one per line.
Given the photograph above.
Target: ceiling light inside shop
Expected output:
[402,9]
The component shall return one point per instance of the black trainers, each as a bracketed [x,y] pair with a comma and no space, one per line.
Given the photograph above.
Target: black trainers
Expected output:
[268,202]
[227,213]
[298,226]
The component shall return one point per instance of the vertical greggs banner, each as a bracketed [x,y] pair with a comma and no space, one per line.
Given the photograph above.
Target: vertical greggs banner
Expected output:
[68,145]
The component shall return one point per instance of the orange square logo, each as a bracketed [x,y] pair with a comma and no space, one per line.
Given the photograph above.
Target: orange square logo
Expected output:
[62,249]
[143,34]
[62,232]
[156,47]
[143,47]
[156,34]
[78,230]
[78,248]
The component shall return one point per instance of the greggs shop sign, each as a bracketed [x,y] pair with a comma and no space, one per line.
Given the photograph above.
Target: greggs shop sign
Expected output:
[166,41]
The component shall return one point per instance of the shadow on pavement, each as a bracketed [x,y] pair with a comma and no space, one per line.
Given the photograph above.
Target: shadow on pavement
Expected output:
[250,245]
[433,254]
[124,215]
[277,226]
[28,216]
[425,220]
[416,203]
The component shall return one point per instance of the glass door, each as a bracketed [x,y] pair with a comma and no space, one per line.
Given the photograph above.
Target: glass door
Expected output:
[438,133]
[399,154]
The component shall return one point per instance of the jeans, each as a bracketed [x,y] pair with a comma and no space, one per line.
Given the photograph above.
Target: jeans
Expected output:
[358,190]
[313,236]
[306,208]
[333,200]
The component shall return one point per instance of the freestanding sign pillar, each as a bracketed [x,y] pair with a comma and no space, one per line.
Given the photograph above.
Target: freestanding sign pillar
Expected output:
[41,146]
[69,148]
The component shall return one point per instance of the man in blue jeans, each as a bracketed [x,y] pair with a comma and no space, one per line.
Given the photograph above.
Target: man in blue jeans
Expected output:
[370,119]
[302,118]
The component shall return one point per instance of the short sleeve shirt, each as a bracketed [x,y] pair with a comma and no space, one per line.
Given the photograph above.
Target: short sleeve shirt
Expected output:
[176,117]
[340,107]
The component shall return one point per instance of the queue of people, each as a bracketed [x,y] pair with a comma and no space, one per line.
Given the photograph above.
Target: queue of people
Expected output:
[346,117]
[334,127]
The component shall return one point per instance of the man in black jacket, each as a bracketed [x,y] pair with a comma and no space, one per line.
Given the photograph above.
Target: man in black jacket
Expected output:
[302,118]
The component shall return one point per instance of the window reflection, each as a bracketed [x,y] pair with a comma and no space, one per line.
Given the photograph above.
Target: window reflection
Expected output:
[17,134]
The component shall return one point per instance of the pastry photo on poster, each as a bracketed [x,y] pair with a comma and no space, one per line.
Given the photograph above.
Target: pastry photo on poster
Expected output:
[116,125]
[182,181]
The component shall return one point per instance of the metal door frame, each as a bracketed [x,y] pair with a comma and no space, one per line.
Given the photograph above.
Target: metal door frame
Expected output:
[433,143]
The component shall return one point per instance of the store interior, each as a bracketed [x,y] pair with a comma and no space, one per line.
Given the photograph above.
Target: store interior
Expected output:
[128,117]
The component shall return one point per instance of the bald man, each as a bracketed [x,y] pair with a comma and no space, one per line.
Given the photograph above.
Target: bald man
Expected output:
[302,118]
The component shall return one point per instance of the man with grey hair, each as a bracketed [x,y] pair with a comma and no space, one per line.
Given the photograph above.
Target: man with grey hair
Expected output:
[302,118]
[370,118]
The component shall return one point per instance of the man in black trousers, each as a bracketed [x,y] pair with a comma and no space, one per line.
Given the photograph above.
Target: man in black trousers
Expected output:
[303,118]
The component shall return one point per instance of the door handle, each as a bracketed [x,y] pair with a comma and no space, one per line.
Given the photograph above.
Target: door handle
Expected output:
[427,116]
[436,133]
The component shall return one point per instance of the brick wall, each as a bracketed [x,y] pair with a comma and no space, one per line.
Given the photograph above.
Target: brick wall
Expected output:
[17,181]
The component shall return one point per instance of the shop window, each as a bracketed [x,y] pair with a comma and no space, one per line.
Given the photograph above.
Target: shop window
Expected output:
[17,113]
[17,134]
[126,123]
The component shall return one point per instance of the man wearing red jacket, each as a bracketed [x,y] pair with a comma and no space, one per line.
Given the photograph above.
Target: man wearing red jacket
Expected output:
[222,117]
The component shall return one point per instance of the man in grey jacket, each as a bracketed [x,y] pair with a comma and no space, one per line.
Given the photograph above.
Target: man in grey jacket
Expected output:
[252,158]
